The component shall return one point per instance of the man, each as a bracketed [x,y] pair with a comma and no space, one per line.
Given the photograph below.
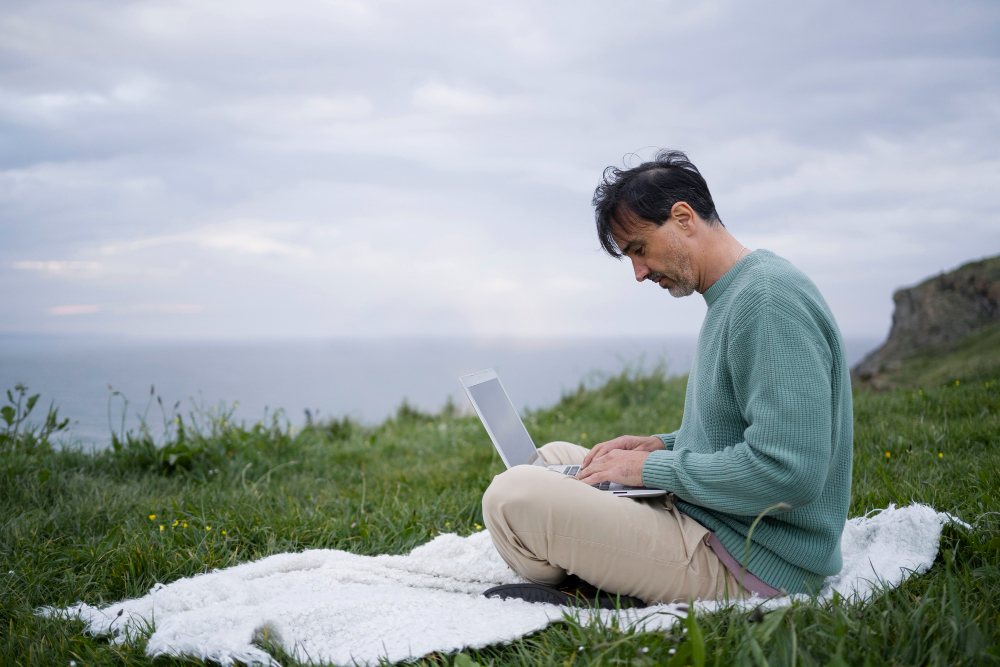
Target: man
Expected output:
[759,473]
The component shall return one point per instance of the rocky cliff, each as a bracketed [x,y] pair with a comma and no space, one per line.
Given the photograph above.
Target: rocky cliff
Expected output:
[936,313]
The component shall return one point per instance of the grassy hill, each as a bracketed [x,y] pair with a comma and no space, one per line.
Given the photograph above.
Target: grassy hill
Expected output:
[212,493]
[974,358]
[948,316]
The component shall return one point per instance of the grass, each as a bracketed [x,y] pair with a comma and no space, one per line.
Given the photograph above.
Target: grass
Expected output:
[973,358]
[102,527]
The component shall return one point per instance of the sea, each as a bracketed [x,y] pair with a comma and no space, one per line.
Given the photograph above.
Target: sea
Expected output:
[110,383]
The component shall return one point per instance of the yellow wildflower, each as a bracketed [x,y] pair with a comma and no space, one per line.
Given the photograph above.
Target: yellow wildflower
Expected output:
[583,436]
[478,527]
[152,517]
[161,527]
[956,383]
[888,454]
[940,455]
[447,523]
[184,525]
[174,523]
[223,532]
[208,528]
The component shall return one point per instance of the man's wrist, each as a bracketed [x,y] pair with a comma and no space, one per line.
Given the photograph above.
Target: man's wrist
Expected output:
[667,439]
[656,442]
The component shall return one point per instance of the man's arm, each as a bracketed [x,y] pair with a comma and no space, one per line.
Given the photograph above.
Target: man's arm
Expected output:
[780,368]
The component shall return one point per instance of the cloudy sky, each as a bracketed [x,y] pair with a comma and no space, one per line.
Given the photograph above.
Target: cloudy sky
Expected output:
[250,168]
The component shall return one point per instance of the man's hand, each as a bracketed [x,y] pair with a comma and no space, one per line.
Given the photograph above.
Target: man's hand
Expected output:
[618,465]
[634,442]
[619,460]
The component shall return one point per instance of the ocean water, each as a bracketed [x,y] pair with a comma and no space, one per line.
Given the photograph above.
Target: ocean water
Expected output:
[365,379]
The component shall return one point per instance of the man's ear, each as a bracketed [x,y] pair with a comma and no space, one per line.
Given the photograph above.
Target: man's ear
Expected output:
[684,215]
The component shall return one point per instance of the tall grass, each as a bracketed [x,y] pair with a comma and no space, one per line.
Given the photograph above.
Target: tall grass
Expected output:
[106,526]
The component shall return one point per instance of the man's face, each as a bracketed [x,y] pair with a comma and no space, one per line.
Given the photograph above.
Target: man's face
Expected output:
[659,254]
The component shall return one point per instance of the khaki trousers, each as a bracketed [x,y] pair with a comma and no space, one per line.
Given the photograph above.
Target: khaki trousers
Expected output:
[547,525]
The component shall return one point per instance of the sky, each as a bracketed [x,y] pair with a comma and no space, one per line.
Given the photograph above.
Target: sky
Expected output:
[321,168]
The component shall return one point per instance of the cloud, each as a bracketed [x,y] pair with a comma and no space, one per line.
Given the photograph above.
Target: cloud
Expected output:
[88,309]
[140,308]
[62,267]
[365,167]
[292,117]
[168,308]
[47,109]
[439,97]
[238,237]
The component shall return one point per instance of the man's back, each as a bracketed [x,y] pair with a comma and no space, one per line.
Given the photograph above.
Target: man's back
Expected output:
[768,419]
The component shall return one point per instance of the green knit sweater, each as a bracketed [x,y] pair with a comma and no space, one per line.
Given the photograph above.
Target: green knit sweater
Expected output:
[767,419]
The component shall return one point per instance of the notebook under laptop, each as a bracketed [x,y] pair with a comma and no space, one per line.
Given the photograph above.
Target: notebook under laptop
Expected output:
[511,438]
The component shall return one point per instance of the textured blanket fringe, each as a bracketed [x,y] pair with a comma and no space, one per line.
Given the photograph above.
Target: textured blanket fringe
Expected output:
[327,606]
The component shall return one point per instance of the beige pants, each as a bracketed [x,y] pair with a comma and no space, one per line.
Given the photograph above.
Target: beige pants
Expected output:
[547,525]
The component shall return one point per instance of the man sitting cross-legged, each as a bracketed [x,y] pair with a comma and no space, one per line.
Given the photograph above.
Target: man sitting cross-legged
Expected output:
[767,429]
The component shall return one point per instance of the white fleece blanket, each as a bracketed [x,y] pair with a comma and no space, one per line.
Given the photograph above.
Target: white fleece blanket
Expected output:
[327,606]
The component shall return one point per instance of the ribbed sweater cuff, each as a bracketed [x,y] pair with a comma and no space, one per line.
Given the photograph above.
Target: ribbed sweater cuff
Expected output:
[668,439]
[658,470]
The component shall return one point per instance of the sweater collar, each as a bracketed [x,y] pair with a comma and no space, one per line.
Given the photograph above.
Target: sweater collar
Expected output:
[713,293]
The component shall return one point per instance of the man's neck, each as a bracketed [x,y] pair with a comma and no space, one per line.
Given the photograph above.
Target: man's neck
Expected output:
[719,253]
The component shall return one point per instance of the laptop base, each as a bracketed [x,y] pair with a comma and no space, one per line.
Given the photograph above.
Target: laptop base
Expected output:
[612,487]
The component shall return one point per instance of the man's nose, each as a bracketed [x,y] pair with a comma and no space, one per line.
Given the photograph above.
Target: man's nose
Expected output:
[641,270]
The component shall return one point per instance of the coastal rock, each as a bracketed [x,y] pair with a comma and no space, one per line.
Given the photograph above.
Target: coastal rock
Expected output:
[935,313]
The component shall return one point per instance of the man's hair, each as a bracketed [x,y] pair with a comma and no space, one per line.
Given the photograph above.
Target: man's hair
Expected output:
[648,192]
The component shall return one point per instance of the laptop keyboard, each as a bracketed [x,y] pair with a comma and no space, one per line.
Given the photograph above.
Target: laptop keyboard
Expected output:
[603,486]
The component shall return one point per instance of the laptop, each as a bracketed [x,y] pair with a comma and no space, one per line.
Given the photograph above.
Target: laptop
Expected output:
[511,438]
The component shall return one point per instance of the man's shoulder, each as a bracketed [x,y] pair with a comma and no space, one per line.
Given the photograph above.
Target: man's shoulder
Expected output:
[773,295]
[772,283]
[769,276]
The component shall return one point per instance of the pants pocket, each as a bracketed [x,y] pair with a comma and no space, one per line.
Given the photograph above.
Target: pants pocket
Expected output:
[669,500]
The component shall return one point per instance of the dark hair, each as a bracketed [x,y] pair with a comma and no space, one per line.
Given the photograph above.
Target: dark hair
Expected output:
[648,192]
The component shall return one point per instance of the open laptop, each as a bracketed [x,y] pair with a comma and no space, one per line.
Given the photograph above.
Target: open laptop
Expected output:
[511,438]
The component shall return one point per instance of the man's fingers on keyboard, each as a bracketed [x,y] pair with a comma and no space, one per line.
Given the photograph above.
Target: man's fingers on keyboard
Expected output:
[593,475]
[597,452]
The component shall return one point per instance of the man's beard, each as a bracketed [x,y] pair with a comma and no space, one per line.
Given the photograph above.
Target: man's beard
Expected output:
[686,282]
[679,289]
[682,289]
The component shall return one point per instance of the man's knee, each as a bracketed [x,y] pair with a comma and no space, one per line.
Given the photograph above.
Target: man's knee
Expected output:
[560,452]
[512,489]
[512,485]
[513,503]
[555,445]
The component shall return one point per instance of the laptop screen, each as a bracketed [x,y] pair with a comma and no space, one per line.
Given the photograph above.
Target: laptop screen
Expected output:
[499,414]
